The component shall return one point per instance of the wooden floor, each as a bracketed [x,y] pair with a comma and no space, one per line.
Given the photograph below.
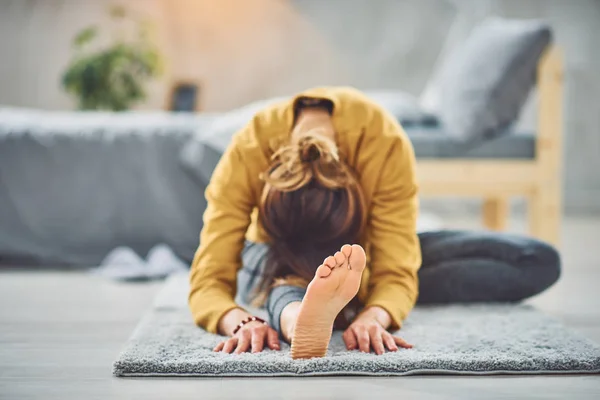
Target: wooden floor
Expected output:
[60,332]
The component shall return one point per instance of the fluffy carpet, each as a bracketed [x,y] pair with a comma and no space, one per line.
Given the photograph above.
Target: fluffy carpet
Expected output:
[476,339]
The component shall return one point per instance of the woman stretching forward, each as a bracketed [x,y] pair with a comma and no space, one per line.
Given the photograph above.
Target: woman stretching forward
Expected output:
[315,200]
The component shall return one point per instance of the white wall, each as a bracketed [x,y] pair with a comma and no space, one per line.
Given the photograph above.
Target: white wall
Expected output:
[244,50]
[237,50]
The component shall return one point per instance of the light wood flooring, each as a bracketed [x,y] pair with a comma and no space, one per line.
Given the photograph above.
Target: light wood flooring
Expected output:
[60,331]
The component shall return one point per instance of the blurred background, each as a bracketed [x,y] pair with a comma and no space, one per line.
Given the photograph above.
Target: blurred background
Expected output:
[113,114]
[234,49]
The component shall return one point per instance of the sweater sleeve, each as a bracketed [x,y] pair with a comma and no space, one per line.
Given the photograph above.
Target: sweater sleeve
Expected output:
[395,254]
[231,197]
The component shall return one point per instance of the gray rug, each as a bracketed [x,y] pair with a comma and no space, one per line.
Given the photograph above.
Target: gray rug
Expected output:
[477,339]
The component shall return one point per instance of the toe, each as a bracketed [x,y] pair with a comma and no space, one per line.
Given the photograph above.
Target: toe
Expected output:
[330,262]
[358,258]
[340,258]
[323,271]
[347,250]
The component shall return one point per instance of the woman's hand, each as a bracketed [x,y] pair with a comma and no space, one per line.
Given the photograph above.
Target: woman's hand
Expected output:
[368,332]
[252,336]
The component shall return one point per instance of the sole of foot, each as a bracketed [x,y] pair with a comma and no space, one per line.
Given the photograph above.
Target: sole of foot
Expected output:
[336,282]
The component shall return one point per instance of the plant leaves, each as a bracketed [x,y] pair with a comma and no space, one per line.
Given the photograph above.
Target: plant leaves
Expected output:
[85,36]
[114,77]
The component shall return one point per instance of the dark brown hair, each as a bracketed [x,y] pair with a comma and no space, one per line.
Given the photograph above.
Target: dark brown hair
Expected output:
[311,205]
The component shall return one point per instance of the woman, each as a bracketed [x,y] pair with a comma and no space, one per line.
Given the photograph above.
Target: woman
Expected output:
[323,188]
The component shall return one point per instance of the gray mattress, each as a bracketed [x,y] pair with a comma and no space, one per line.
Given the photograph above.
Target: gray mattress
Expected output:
[73,186]
[433,143]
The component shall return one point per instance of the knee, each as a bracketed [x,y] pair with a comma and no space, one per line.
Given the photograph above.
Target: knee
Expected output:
[547,265]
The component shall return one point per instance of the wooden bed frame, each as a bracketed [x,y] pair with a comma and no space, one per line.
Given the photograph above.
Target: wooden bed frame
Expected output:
[539,180]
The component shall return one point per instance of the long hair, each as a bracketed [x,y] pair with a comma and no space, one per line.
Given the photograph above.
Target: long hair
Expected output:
[311,205]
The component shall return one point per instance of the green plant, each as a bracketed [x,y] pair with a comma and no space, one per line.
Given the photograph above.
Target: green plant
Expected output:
[112,77]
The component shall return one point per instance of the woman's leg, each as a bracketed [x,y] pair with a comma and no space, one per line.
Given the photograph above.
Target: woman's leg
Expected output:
[254,256]
[283,305]
[253,260]
[462,267]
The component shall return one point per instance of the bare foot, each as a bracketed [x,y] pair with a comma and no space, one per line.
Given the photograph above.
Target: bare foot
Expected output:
[335,283]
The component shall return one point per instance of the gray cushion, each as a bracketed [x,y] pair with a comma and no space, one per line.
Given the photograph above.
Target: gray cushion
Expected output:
[404,106]
[434,143]
[201,153]
[430,142]
[73,186]
[483,85]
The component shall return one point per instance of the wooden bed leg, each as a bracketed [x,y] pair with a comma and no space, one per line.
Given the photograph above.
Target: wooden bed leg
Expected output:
[495,213]
[545,202]
[544,211]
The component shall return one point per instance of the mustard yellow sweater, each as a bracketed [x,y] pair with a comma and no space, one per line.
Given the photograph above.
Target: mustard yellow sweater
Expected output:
[370,141]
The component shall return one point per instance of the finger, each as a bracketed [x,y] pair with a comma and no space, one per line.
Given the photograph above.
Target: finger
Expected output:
[377,342]
[350,339]
[330,262]
[258,340]
[388,340]
[230,345]
[243,343]
[362,337]
[219,347]
[402,343]
[273,339]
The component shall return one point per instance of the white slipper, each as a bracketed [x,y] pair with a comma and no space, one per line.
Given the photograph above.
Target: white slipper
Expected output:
[162,262]
[122,264]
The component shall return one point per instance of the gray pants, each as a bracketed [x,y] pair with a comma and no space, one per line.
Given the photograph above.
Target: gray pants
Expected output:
[458,267]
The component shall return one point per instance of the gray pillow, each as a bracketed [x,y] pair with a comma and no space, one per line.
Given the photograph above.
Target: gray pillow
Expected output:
[483,85]
[404,106]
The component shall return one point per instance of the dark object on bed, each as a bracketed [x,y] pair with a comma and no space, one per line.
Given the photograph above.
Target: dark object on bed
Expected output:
[184,97]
